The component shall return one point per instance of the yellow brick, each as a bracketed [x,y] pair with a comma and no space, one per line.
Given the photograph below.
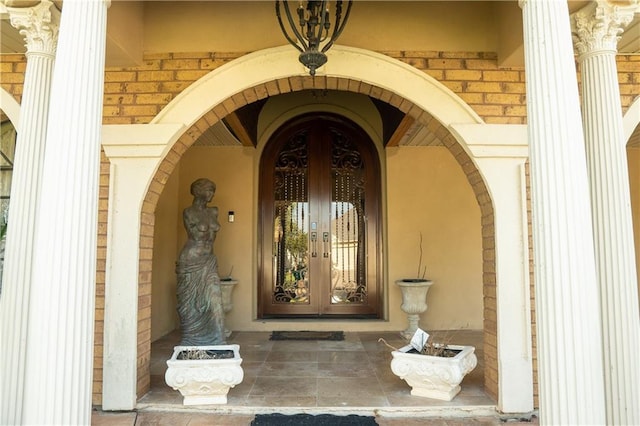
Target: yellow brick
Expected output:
[113,88]
[628,66]
[472,98]
[419,63]
[174,86]
[110,111]
[629,89]
[155,98]
[501,75]
[150,64]
[12,57]
[211,64]
[6,67]
[147,87]
[446,64]
[454,86]
[20,67]
[514,88]
[487,110]
[504,98]
[480,64]
[116,120]
[191,75]
[482,87]
[625,77]
[143,119]
[138,110]
[437,74]
[504,120]
[10,78]
[154,75]
[180,64]
[112,76]
[465,75]
[517,110]
[112,99]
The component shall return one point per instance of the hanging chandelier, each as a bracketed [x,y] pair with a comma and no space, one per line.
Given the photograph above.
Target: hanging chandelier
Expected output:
[311,29]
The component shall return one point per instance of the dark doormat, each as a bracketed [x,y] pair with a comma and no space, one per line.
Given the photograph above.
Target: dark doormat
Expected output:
[311,420]
[307,335]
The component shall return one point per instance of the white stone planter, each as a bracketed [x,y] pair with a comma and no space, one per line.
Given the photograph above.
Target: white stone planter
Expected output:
[414,302]
[432,376]
[227,286]
[204,381]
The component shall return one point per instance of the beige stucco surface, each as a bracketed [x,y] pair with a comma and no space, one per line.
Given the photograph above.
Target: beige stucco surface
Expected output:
[444,210]
[429,194]
[204,26]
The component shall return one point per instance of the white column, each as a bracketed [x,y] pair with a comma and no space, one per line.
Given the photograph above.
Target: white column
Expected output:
[135,152]
[571,384]
[39,26]
[596,33]
[500,151]
[59,360]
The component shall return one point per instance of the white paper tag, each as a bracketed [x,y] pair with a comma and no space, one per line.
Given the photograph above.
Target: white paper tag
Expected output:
[419,339]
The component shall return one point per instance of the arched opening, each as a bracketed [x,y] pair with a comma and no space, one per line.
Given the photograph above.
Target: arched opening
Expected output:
[240,83]
[439,139]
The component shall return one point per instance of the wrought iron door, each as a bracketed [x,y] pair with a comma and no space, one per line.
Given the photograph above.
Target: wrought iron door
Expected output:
[319,224]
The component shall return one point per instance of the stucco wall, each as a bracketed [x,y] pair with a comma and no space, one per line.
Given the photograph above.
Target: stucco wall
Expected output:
[164,318]
[443,208]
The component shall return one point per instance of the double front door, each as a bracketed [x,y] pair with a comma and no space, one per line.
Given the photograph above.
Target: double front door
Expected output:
[320,227]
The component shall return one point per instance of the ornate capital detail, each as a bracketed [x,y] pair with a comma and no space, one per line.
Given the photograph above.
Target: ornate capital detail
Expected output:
[597,26]
[38,25]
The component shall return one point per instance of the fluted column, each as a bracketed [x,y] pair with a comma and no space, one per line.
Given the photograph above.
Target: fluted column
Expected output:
[59,362]
[570,367]
[596,33]
[39,26]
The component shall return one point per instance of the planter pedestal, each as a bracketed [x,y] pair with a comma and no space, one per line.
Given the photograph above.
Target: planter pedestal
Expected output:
[432,376]
[414,302]
[227,287]
[204,381]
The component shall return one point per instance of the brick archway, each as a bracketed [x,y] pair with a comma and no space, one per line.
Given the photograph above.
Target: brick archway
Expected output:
[443,137]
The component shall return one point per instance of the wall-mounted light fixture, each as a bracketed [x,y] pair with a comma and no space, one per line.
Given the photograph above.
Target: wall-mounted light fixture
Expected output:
[232,216]
[313,20]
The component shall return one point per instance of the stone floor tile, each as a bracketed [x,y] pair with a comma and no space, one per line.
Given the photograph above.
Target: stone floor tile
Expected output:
[288,369]
[99,418]
[284,386]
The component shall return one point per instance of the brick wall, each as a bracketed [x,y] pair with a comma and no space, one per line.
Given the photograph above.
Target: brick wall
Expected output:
[135,95]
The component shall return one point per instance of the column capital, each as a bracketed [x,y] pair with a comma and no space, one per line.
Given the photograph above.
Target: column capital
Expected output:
[596,28]
[38,25]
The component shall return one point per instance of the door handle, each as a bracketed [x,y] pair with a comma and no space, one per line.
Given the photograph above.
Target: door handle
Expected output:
[314,244]
[325,240]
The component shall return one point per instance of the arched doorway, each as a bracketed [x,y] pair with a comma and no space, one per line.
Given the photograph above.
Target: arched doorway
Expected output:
[319,221]
[449,119]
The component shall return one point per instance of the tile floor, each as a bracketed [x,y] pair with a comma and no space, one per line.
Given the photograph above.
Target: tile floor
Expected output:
[344,377]
[354,372]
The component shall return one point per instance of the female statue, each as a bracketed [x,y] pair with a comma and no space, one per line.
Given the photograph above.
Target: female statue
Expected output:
[199,291]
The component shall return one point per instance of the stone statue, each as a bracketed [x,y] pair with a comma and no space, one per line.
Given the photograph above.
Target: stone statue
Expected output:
[199,291]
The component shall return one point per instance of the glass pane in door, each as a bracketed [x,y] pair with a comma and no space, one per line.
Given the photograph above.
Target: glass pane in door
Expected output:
[348,248]
[290,228]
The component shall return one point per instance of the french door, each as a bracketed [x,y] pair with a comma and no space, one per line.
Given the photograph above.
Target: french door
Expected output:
[320,221]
